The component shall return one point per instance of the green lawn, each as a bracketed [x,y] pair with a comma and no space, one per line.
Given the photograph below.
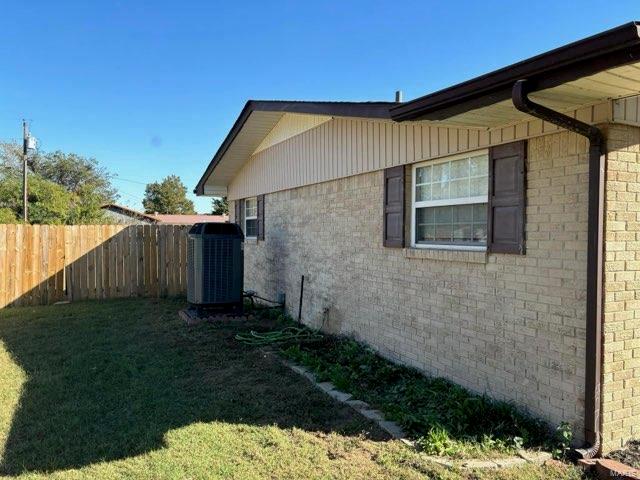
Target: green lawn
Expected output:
[122,389]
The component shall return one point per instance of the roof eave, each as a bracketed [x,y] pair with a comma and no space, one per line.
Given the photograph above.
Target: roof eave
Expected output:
[379,110]
[612,48]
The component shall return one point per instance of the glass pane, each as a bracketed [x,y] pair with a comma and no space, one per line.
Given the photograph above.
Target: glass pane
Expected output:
[423,175]
[459,188]
[424,215]
[443,233]
[462,232]
[480,233]
[479,166]
[460,168]
[439,191]
[442,214]
[423,193]
[250,207]
[479,186]
[425,233]
[440,172]
[463,214]
[252,228]
[480,213]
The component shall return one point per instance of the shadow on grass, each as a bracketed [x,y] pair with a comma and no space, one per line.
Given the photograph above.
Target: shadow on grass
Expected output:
[107,380]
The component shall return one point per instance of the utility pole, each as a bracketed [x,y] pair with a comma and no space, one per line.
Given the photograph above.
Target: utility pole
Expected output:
[25,151]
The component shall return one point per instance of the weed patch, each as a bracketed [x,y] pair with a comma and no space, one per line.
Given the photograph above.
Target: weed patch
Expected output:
[444,419]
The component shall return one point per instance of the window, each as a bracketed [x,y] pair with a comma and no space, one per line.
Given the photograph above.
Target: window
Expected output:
[450,202]
[251,217]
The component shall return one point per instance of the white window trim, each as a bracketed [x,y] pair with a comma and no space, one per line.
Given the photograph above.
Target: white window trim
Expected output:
[438,203]
[253,217]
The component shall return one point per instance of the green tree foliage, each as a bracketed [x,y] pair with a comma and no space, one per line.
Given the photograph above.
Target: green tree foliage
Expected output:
[64,188]
[80,175]
[167,197]
[48,202]
[220,206]
[7,216]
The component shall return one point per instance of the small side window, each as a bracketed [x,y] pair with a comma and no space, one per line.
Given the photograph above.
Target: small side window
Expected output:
[251,217]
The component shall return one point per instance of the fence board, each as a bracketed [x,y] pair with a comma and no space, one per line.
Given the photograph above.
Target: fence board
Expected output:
[113,262]
[42,271]
[140,260]
[77,263]
[91,261]
[153,261]
[183,257]
[50,274]
[126,262]
[119,241]
[12,258]
[162,262]
[171,274]
[4,269]
[27,266]
[43,264]
[106,259]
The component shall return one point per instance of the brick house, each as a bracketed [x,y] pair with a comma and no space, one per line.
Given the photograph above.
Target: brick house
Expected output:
[488,232]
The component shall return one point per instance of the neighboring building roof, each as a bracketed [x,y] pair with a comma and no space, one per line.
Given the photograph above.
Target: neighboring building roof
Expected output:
[165,218]
[258,117]
[189,219]
[580,74]
[129,212]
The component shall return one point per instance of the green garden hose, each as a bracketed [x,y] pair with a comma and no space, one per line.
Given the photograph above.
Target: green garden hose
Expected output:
[288,334]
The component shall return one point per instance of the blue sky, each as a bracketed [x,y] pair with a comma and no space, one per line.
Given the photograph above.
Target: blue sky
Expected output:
[152,88]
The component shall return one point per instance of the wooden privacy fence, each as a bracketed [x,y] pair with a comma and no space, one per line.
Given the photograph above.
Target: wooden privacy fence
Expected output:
[43,264]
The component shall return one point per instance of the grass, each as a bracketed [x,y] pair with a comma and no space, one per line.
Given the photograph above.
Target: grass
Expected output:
[122,389]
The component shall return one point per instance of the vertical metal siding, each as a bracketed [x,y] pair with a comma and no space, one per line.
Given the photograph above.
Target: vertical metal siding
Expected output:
[627,110]
[342,147]
[289,125]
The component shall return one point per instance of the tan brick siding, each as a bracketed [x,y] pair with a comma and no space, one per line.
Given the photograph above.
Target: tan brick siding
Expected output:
[621,372]
[511,326]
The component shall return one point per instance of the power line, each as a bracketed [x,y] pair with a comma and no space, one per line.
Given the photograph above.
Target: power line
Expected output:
[115,177]
[137,199]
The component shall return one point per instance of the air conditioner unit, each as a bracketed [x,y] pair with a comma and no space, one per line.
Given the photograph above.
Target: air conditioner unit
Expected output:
[215,266]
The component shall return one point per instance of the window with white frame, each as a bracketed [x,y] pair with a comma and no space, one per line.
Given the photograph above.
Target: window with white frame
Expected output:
[251,217]
[449,207]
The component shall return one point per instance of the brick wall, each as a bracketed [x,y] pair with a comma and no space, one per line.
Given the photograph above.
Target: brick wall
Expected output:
[511,326]
[621,372]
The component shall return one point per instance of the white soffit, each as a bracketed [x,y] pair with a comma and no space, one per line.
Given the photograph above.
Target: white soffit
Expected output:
[260,130]
[254,130]
[611,84]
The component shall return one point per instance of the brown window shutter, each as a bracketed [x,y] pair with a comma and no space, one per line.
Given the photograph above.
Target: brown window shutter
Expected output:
[260,222]
[393,210]
[505,229]
[238,216]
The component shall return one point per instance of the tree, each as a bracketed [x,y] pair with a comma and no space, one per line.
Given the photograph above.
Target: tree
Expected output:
[220,206]
[168,197]
[89,183]
[7,216]
[48,202]
[64,188]
[78,174]
[10,156]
